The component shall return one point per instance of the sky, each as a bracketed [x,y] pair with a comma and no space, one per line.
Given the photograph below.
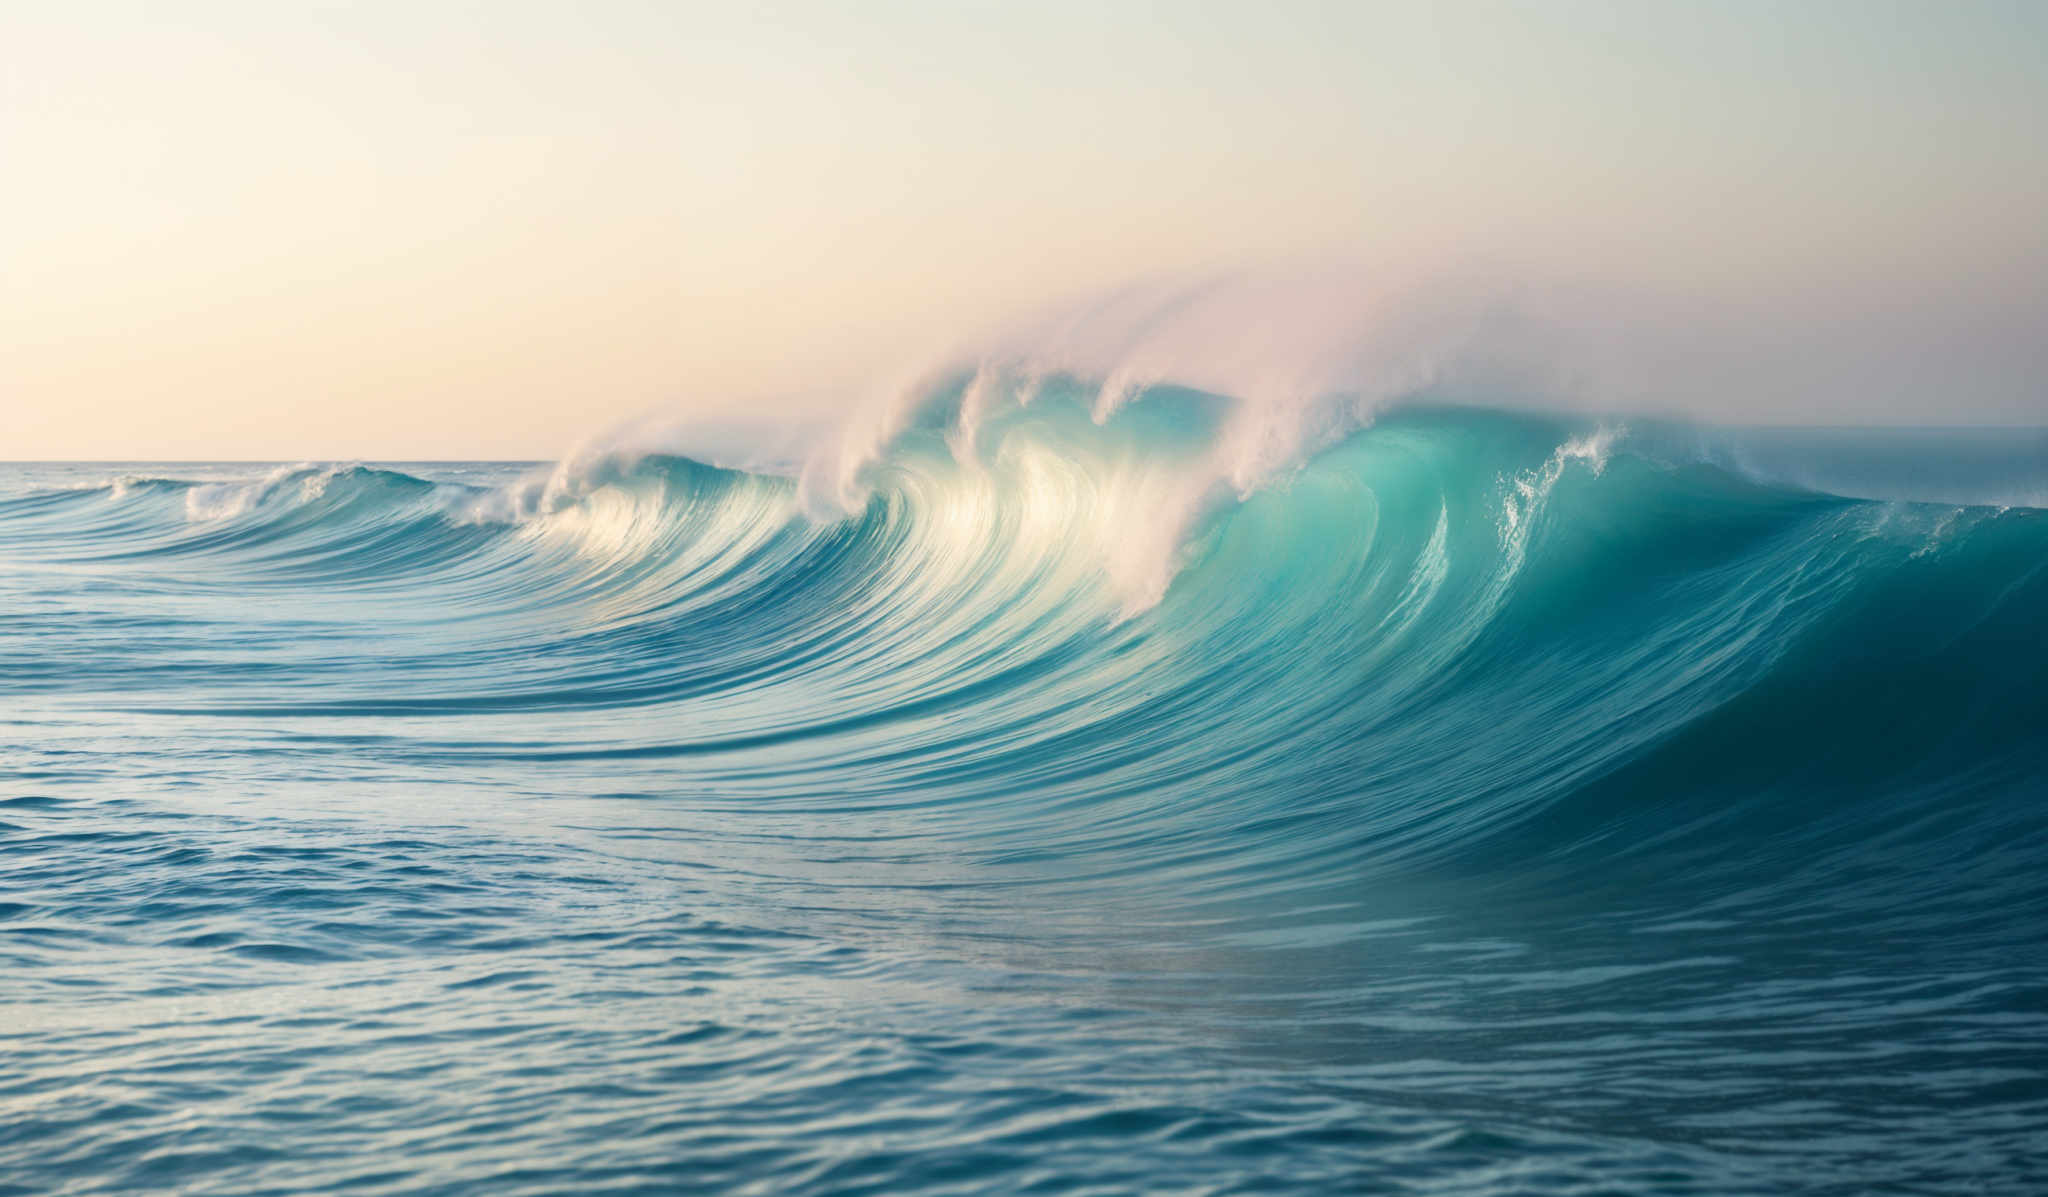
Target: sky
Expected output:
[247,230]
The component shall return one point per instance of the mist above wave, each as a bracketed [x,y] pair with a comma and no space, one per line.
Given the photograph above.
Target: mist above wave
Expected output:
[1299,358]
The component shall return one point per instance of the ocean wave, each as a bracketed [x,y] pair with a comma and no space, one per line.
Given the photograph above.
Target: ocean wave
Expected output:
[1040,595]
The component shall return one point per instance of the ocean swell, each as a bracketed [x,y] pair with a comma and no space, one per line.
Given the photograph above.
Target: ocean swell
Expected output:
[1361,797]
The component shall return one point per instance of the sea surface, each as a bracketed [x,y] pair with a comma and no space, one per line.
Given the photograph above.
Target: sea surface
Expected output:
[1488,804]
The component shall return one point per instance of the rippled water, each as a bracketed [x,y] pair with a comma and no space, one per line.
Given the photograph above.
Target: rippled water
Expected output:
[1495,806]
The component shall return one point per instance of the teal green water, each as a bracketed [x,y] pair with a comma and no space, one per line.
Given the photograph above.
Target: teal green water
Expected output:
[1495,804]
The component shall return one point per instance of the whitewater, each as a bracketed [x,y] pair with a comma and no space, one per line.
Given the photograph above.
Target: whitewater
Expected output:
[1071,783]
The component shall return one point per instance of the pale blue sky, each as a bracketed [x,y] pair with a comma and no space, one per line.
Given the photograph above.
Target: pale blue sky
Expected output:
[251,229]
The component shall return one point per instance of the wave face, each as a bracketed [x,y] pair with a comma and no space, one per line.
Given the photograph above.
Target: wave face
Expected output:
[1488,804]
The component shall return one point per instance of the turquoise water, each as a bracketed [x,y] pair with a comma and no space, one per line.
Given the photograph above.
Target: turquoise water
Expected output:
[1494,804]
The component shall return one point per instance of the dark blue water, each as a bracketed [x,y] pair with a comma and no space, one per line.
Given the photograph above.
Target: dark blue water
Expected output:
[1493,805]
